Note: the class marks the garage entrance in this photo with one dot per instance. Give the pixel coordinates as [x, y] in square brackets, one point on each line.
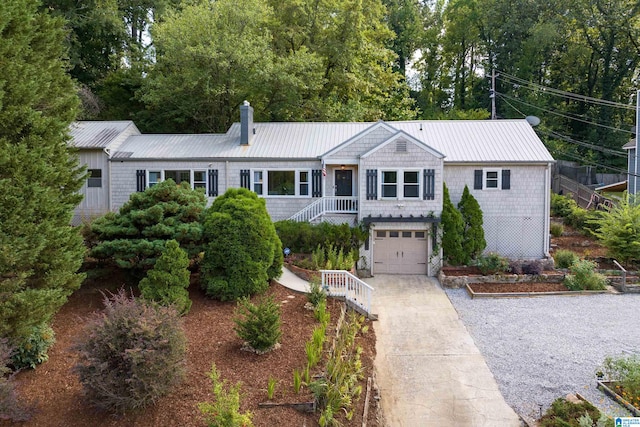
[400, 252]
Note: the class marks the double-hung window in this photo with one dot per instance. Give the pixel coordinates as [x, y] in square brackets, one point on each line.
[281, 182]
[491, 178]
[195, 178]
[400, 184]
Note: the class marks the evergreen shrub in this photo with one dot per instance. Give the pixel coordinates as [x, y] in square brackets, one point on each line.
[473, 241]
[132, 353]
[492, 263]
[453, 230]
[564, 258]
[168, 282]
[32, 350]
[258, 324]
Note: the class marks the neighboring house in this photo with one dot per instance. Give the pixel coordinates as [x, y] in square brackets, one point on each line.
[387, 176]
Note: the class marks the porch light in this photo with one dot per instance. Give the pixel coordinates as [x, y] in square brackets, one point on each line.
[342, 167]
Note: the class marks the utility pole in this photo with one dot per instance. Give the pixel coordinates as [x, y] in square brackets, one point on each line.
[492, 94]
[633, 174]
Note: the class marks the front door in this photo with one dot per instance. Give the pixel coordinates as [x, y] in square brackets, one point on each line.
[344, 182]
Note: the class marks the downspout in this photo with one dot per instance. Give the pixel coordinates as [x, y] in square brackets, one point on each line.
[226, 175]
[547, 209]
[109, 196]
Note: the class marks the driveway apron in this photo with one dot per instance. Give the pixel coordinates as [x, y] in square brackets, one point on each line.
[428, 369]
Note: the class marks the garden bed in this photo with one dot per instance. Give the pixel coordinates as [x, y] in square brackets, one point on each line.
[512, 290]
[57, 393]
[616, 392]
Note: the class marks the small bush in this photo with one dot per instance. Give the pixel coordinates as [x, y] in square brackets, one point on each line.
[556, 229]
[492, 263]
[532, 267]
[332, 257]
[564, 258]
[561, 206]
[32, 351]
[168, 281]
[515, 267]
[10, 407]
[132, 353]
[563, 413]
[584, 277]
[316, 294]
[303, 237]
[225, 410]
[258, 324]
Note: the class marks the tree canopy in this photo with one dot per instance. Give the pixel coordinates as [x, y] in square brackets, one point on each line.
[40, 253]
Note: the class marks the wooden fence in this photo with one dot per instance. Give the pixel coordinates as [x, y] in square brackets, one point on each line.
[584, 196]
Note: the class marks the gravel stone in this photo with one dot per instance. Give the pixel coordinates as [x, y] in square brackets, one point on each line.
[542, 348]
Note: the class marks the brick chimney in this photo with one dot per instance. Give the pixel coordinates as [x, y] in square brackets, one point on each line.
[246, 123]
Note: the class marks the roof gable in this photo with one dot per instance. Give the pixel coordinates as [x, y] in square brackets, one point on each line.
[403, 135]
[360, 136]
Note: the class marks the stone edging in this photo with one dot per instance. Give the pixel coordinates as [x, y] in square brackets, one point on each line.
[462, 281]
[474, 295]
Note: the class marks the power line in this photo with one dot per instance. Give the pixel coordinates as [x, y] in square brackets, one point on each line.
[584, 144]
[600, 165]
[557, 92]
[503, 96]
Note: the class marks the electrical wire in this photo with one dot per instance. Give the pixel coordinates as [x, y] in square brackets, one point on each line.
[503, 96]
[600, 165]
[584, 144]
[557, 92]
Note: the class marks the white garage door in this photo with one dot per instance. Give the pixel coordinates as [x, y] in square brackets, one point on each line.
[400, 252]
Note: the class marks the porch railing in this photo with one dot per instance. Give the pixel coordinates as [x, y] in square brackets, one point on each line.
[341, 283]
[324, 205]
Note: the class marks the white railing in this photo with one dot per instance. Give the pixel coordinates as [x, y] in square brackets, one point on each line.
[324, 205]
[341, 283]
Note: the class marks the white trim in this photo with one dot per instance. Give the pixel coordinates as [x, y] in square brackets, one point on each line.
[402, 134]
[399, 183]
[265, 182]
[498, 178]
[191, 176]
[359, 135]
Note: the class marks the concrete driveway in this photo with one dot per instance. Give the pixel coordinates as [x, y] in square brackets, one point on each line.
[428, 368]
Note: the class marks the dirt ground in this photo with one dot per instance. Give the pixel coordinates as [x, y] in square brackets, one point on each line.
[57, 393]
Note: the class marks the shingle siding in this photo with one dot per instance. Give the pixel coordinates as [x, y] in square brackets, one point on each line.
[514, 219]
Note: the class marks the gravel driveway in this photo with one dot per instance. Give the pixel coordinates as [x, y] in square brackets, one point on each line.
[542, 348]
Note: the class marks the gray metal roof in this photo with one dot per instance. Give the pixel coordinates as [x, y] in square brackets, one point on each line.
[629, 145]
[97, 134]
[460, 141]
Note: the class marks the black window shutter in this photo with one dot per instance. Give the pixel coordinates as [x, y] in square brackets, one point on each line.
[477, 179]
[506, 179]
[316, 183]
[244, 179]
[429, 191]
[372, 184]
[141, 179]
[213, 182]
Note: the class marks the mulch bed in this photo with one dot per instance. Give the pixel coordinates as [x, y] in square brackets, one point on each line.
[517, 287]
[57, 392]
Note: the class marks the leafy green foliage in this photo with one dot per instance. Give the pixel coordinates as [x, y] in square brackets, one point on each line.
[304, 237]
[619, 231]
[556, 229]
[563, 413]
[561, 206]
[258, 324]
[225, 410]
[331, 258]
[473, 242]
[564, 258]
[242, 250]
[40, 253]
[136, 235]
[584, 277]
[626, 371]
[11, 408]
[453, 231]
[32, 350]
[132, 353]
[492, 263]
[316, 294]
[168, 281]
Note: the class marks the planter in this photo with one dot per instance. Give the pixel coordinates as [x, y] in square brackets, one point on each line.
[303, 273]
[608, 387]
[521, 294]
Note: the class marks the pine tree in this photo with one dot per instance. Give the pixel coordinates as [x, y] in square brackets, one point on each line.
[40, 253]
[453, 229]
[168, 281]
[473, 242]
